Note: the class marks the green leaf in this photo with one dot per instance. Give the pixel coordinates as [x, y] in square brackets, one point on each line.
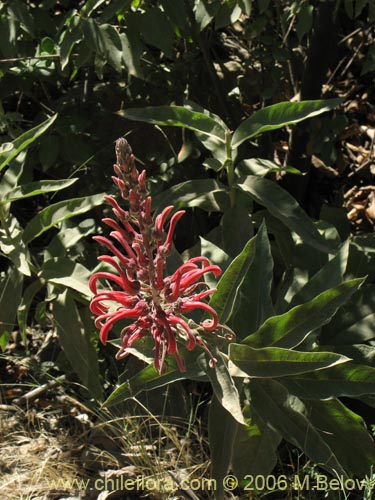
[255, 446]
[285, 208]
[105, 41]
[261, 168]
[58, 212]
[220, 424]
[236, 229]
[354, 323]
[223, 300]
[25, 304]
[155, 28]
[290, 329]
[328, 276]
[178, 116]
[207, 194]
[49, 151]
[223, 385]
[273, 404]
[90, 6]
[255, 304]
[305, 20]
[9, 151]
[345, 433]
[35, 188]
[69, 40]
[66, 272]
[205, 11]
[12, 245]
[148, 378]
[271, 362]
[348, 379]
[76, 344]
[279, 115]
[10, 298]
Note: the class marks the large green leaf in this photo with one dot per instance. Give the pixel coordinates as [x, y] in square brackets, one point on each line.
[25, 304]
[223, 300]
[220, 424]
[66, 272]
[279, 115]
[348, 379]
[105, 40]
[223, 385]
[291, 328]
[12, 245]
[271, 362]
[255, 304]
[178, 116]
[345, 433]
[56, 213]
[207, 194]
[255, 446]
[236, 229]
[330, 275]
[9, 151]
[285, 208]
[10, 298]
[35, 188]
[271, 401]
[354, 322]
[148, 378]
[75, 342]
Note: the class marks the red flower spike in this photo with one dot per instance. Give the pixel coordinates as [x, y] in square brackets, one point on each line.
[142, 293]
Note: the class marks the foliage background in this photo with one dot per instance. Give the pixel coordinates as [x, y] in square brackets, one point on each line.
[78, 67]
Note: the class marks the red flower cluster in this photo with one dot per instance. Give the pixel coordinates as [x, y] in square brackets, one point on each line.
[141, 293]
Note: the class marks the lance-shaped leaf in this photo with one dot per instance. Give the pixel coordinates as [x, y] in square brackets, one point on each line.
[223, 385]
[9, 151]
[148, 378]
[272, 402]
[178, 116]
[271, 362]
[223, 300]
[285, 208]
[206, 194]
[353, 323]
[345, 433]
[279, 115]
[290, 329]
[220, 424]
[330, 275]
[34, 189]
[255, 304]
[10, 298]
[66, 272]
[348, 379]
[255, 446]
[76, 343]
[56, 213]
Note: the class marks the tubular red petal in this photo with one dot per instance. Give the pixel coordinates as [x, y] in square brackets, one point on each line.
[128, 313]
[108, 244]
[176, 320]
[175, 218]
[108, 276]
[161, 219]
[192, 276]
[190, 306]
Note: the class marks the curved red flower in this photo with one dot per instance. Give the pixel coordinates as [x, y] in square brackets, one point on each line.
[138, 289]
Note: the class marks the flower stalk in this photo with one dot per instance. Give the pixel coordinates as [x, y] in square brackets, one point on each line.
[140, 291]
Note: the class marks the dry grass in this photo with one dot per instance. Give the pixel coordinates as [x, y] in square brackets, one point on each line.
[43, 448]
